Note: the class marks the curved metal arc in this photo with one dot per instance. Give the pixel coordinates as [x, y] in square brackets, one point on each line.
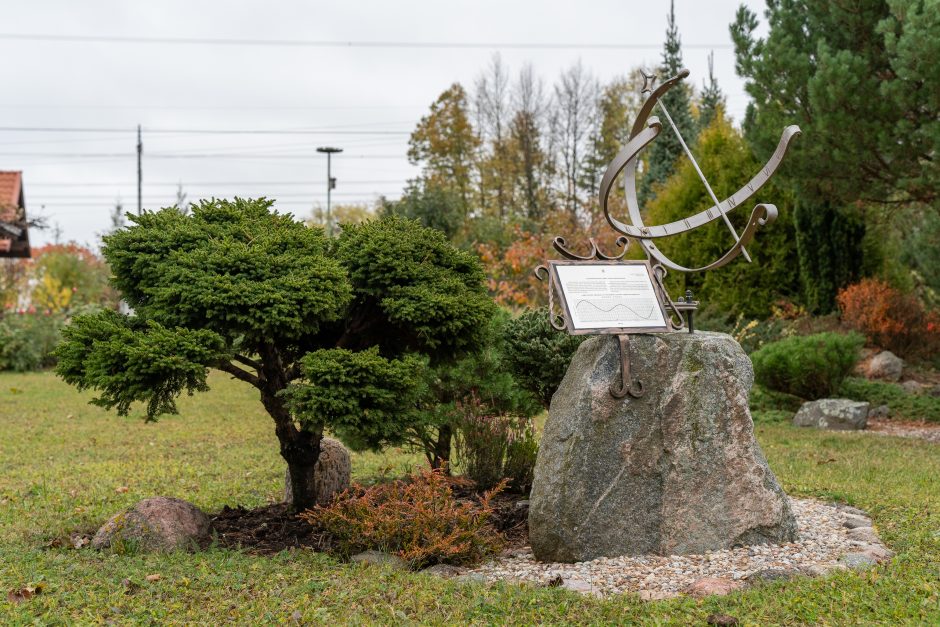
[626, 161]
[761, 215]
[654, 96]
[560, 244]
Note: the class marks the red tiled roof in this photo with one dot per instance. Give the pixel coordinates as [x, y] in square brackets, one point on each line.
[14, 229]
[10, 183]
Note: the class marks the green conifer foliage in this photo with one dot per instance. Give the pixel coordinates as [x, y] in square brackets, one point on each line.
[332, 334]
[666, 150]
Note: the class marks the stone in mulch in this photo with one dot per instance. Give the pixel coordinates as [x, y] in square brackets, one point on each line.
[915, 388]
[331, 473]
[881, 411]
[156, 524]
[823, 545]
[885, 365]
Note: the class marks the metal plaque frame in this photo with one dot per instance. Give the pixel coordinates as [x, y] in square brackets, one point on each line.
[569, 320]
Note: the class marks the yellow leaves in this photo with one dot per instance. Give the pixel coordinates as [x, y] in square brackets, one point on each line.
[51, 295]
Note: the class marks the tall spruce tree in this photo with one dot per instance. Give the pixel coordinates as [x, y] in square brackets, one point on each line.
[666, 149]
[712, 99]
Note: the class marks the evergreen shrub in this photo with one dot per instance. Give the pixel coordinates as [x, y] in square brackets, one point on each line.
[537, 354]
[418, 518]
[810, 367]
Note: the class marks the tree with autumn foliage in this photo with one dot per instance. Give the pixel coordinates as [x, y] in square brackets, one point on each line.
[333, 334]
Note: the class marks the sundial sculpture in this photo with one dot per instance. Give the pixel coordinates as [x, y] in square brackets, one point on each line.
[607, 294]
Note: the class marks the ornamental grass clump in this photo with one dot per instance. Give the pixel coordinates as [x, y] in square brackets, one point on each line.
[492, 447]
[418, 518]
[809, 366]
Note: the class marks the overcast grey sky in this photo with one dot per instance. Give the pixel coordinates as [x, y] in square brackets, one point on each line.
[365, 99]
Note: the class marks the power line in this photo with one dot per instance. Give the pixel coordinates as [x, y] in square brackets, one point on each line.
[223, 155]
[315, 43]
[199, 131]
[188, 184]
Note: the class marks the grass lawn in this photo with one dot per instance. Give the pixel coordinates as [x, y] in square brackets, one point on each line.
[64, 464]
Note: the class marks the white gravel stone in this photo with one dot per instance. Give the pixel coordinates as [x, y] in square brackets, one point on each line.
[823, 540]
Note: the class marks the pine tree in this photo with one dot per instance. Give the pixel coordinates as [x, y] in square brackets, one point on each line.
[860, 79]
[666, 149]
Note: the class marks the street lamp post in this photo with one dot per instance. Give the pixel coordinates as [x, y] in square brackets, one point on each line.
[330, 184]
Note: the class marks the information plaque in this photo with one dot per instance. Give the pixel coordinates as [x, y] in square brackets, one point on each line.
[609, 297]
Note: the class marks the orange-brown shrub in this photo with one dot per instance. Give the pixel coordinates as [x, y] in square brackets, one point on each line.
[417, 518]
[889, 318]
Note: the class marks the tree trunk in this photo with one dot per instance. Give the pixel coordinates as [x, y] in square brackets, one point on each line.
[300, 448]
[301, 456]
[441, 457]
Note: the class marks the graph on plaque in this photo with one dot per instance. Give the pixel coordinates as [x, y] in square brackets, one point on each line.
[602, 296]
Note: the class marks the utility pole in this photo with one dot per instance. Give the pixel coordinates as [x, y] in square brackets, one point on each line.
[330, 184]
[140, 172]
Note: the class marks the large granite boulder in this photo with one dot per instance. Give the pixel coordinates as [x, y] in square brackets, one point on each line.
[840, 414]
[159, 523]
[331, 473]
[676, 471]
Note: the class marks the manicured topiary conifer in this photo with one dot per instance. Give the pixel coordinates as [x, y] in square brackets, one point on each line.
[333, 334]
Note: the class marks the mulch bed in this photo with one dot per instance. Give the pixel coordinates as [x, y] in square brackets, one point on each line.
[265, 530]
[273, 528]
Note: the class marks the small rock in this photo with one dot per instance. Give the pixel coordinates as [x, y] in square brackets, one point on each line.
[913, 387]
[445, 571]
[863, 534]
[848, 509]
[878, 552]
[817, 570]
[378, 558]
[471, 578]
[576, 584]
[885, 365]
[156, 524]
[882, 411]
[853, 522]
[771, 574]
[833, 413]
[858, 561]
[708, 586]
[721, 619]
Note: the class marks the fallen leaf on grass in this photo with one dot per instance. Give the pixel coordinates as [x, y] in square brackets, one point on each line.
[78, 540]
[17, 596]
[826, 461]
[121, 489]
[153, 577]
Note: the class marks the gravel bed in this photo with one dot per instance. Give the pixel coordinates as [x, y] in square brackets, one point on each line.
[823, 539]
